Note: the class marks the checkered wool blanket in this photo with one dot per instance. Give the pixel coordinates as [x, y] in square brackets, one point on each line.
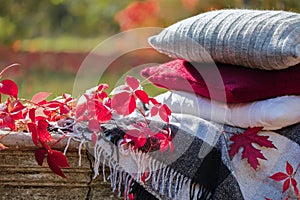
[200, 166]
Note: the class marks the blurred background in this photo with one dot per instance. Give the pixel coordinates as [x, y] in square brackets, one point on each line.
[51, 38]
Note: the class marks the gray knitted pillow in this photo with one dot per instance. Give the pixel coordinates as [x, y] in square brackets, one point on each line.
[253, 38]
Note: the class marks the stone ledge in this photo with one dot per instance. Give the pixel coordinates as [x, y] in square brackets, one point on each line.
[22, 178]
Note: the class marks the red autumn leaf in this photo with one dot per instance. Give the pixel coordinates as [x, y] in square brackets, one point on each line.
[165, 141]
[144, 176]
[39, 97]
[279, 176]
[15, 108]
[162, 109]
[102, 87]
[34, 133]
[132, 82]
[154, 110]
[287, 177]
[9, 87]
[289, 169]
[123, 103]
[245, 141]
[102, 112]
[94, 138]
[294, 184]
[64, 109]
[10, 112]
[154, 101]
[42, 124]
[53, 166]
[59, 158]
[32, 114]
[286, 185]
[131, 196]
[94, 108]
[80, 110]
[40, 156]
[94, 125]
[164, 113]
[138, 137]
[142, 95]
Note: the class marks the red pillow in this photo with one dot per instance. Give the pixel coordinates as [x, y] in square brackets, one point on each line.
[241, 84]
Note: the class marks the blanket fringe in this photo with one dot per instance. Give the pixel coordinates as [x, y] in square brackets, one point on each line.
[156, 177]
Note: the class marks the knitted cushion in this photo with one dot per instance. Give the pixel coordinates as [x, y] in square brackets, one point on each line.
[272, 114]
[254, 38]
[238, 84]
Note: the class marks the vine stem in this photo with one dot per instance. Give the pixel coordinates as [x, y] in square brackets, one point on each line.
[57, 141]
[2, 136]
[9, 66]
[297, 168]
[144, 116]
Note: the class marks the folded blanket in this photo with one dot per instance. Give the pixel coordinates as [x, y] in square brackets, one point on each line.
[200, 166]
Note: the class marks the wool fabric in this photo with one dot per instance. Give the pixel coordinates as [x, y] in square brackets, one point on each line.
[264, 39]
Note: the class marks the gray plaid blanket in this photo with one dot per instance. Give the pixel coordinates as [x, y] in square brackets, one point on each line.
[200, 166]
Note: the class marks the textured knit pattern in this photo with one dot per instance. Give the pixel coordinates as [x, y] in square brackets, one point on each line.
[253, 38]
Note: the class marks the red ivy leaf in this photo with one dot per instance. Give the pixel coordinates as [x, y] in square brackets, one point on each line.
[154, 110]
[94, 138]
[131, 196]
[102, 112]
[164, 146]
[94, 125]
[40, 156]
[164, 113]
[53, 166]
[123, 103]
[154, 101]
[80, 110]
[32, 114]
[294, 184]
[136, 136]
[245, 141]
[132, 82]
[144, 176]
[286, 185]
[9, 87]
[102, 87]
[279, 176]
[39, 97]
[289, 169]
[42, 124]
[34, 134]
[142, 95]
[43, 133]
[59, 158]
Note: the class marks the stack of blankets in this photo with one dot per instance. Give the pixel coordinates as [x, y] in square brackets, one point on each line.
[233, 71]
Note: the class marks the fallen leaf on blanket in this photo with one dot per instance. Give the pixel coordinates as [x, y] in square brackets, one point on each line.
[246, 141]
[288, 178]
